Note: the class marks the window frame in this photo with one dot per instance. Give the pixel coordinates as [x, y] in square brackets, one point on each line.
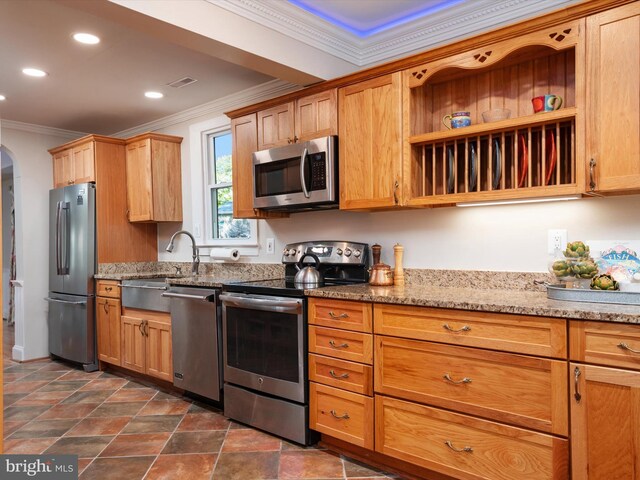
[206, 131]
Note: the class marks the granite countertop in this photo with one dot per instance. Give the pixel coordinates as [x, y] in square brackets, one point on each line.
[133, 275]
[504, 301]
[207, 280]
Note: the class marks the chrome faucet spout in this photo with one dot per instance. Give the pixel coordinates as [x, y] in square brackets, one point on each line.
[195, 263]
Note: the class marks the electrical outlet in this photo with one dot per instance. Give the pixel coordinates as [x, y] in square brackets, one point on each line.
[556, 240]
[271, 245]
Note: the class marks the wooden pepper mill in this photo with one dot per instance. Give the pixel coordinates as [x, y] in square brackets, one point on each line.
[398, 273]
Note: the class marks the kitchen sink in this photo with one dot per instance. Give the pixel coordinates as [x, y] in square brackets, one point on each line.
[145, 294]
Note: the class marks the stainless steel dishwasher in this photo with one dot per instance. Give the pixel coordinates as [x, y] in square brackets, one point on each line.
[196, 336]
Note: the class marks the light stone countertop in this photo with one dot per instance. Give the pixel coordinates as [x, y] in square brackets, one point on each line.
[504, 301]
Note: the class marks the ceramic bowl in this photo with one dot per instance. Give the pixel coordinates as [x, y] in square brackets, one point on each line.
[496, 115]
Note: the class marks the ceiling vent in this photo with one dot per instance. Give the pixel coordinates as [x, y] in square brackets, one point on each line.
[183, 82]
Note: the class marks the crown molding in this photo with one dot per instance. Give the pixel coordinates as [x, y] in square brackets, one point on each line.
[215, 108]
[445, 26]
[40, 129]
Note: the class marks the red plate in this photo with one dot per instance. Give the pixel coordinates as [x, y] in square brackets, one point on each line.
[552, 155]
[524, 162]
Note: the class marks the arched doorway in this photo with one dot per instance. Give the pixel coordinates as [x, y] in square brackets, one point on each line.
[9, 261]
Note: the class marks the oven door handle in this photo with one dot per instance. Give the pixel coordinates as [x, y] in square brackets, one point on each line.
[277, 305]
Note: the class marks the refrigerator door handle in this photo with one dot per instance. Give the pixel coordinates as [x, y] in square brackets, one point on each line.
[66, 225]
[58, 239]
[79, 302]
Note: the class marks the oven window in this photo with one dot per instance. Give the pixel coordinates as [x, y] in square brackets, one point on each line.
[277, 178]
[264, 343]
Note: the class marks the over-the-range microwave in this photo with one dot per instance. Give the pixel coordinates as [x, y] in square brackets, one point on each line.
[300, 176]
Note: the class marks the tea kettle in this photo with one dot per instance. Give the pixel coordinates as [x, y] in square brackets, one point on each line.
[308, 275]
[380, 273]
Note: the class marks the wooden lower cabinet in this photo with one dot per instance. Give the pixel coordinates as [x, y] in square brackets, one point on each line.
[108, 330]
[605, 423]
[146, 343]
[465, 447]
[341, 414]
[521, 390]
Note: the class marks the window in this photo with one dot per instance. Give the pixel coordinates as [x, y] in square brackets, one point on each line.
[222, 228]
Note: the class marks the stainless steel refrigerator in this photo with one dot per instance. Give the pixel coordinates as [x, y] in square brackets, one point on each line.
[72, 265]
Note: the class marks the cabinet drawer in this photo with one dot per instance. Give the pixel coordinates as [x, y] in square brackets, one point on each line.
[465, 447]
[526, 391]
[341, 414]
[341, 344]
[356, 316]
[108, 288]
[351, 376]
[497, 331]
[613, 344]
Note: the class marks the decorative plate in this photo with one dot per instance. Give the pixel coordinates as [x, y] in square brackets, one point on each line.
[524, 161]
[472, 168]
[552, 155]
[497, 164]
[450, 173]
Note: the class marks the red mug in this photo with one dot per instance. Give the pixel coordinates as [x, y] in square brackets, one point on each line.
[546, 103]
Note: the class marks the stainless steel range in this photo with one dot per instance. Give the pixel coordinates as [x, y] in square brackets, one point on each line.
[265, 338]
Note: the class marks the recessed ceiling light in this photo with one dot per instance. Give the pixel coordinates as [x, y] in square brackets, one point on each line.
[153, 94]
[86, 38]
[2, 97]
[34, 72]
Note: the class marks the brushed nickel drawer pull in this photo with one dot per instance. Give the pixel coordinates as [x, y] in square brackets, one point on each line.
[447, 377]
[465, 449]
[339, 377]
[466, 328]
[108, 289]
[335, 345]
[576, 374]
[340, 417]
[336, 317]
[624, 346]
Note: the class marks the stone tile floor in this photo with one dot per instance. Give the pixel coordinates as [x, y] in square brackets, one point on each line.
[124, 430]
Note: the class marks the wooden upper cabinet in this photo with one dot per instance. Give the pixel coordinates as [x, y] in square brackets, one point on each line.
[83, 161]
[613, 100]
[317, 115]
[154, 181]
[605, 425]
[74, 164]
[302, 119]
[370, 132]
[276, 126]
[244, 134]
[525, 155]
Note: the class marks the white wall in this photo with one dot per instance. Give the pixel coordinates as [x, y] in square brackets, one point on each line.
[33, 177]
[498, 238]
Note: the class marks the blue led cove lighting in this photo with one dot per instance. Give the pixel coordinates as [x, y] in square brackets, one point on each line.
[382, 27]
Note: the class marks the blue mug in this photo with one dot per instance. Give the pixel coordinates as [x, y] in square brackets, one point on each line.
[457, 120]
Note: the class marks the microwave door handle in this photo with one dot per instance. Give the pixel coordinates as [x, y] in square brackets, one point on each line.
[303, 158]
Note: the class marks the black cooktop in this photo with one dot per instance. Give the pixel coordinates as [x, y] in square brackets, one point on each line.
[278, 286]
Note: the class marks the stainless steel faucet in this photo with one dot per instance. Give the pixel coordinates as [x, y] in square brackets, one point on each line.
[196, 254]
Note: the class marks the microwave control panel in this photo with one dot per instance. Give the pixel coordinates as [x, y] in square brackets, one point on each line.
[318, 171]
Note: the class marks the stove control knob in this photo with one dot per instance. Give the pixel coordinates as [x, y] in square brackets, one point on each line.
[339, 251]
[357, 253]
[292, 251]
[347, 252]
